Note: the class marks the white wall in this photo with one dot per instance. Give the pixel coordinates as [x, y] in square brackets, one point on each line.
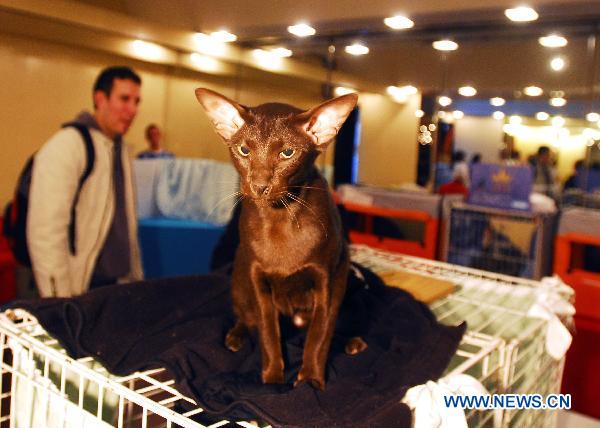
[479, 135]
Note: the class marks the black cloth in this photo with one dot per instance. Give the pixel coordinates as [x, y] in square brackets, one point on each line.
[180, 324]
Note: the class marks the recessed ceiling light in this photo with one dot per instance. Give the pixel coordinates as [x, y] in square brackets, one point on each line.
[445, 45]
[558, 101]
[592, 117]
[147, 50]
[533, 91]
[497, 101]
[357, 49]
[441, 114]
[457, 114]
[444, 101]
[223, 36]
[553, 41]
[542, 115]
[401, 94]
[498, 115]
[398, 22]
[281, 52]
[301, 30]
[342, 90]
[521, 14]
[515, 120]
[557, 63]
[467, 91]
[419, 113]
[558, 121]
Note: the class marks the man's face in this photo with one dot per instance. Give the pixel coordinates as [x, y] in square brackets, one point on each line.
[115, 112]
[154, 138]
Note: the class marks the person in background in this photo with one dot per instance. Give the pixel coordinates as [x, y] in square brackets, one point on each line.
[571, 182]
[460, 168]
[106, 245]
[154, 139]
[475, 159]
[544, 174]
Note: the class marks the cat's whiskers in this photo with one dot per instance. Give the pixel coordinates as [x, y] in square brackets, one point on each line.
[233, 195]
[305, 204]
[290, 212]
[308, 187]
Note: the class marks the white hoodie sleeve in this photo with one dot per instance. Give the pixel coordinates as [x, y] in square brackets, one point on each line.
[57, 167]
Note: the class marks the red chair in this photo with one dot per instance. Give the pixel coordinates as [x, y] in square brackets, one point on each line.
[8, 283]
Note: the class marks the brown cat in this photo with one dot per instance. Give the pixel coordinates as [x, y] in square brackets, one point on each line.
[292, 259]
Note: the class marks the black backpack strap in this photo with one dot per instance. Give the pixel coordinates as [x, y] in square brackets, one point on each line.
[91, 157]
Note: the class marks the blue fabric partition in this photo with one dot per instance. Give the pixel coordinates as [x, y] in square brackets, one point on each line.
[177, 247]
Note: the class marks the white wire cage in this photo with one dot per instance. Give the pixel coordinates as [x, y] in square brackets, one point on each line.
[494, 306]
[508, 242]
[43, 387]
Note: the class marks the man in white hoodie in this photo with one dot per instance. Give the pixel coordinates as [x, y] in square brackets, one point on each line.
[105, 249]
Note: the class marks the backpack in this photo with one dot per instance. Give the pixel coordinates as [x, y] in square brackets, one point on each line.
[15, 213]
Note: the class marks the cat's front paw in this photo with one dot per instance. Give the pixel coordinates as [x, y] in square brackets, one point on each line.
[316, 380]
[272, 376]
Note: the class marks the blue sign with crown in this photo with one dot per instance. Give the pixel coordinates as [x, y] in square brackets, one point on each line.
[499, 186]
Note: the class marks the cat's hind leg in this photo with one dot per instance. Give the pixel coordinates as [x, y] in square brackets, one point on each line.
[235, 337]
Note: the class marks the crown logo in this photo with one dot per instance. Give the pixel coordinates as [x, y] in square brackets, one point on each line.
[502, 178]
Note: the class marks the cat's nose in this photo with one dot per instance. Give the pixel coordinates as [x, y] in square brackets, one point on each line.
[261, 189]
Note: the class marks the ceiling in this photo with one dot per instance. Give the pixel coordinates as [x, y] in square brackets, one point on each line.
[496, 56]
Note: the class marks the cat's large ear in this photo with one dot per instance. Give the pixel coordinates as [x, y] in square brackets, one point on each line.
[226, 115]
[323, 122]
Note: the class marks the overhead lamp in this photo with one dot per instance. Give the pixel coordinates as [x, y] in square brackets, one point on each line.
[445, 45]
[148, 50]
[419, 113]
[281, 52]
[553, 41]
[592, 117]
[457, 114]
[357, 49]
[515, 120]
[497, 101]
[467, 91]
[342, 90]
[444, 101]
[401, 94]
[542, 115]
[498, 115]
[302, 30]
[442, 114]
[533, 91]
[205, 62]
[558, 121]
[208, 44]
[558, 101]
[267, 59]
[223, 36]
[557, 63]
[521, 14]
[398, 22]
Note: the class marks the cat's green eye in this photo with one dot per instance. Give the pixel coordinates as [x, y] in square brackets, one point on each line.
[243, 150]
[287, 153]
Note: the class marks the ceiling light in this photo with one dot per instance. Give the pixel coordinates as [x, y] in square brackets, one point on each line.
[542, 115]
[441, 114]
[401, 92]
[557, 63]
[458, 114]
[357, 49]
[558, 102]
[342, 90]
[521, 14]
[208, 45]
[301, 30]
[467, 91]
[445, 45]
[398, 22]
[147, 50]
[553, 41]
[444, 101]
[558, 121]
[497, 101]
[267, 59]
[592, 117]
[205, 62]
[223, 36]
[498, 115]
[515, 120]
[533, 91]
[419, 113]
[281, 52]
